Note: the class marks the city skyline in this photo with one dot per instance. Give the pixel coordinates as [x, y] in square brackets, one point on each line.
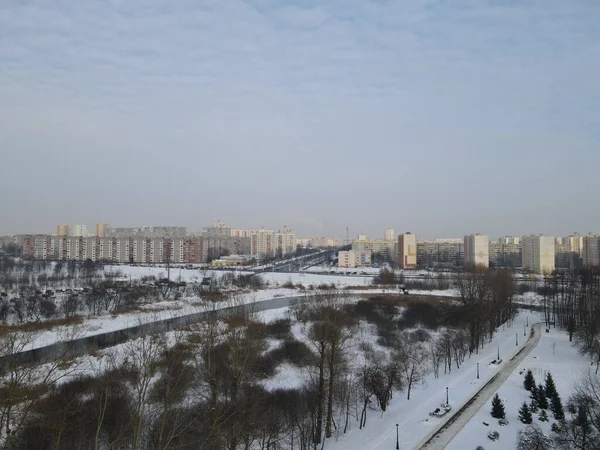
[478, 116]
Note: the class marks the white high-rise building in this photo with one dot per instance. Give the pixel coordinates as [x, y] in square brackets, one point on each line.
[538, 253]
[389, 235]
[477, 250]
[80, 230]
[353, 258]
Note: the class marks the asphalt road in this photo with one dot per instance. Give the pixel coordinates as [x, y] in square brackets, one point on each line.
[445, 432]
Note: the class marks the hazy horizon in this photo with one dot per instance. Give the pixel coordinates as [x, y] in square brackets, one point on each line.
[439, 118]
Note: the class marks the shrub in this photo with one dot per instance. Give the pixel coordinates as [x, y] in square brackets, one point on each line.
[279, 329]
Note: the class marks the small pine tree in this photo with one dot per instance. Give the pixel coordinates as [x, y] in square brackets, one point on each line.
[529, 381]
[557, 407]
[550, 388]
[525, 414]
[498, 408]
[533, 406]
[543, 416]
[541, 397]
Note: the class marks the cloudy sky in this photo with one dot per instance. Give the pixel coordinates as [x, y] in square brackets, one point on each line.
[442, 117]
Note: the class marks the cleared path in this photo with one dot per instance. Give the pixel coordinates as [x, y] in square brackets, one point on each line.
[445, 432]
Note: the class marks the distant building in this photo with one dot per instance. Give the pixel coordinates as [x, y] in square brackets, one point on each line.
[538, 253]
[389, 235]
[441, 253]
[362, 237]
[477, 250]
[591, 250]
[375, 246]
[568, 251]
[101, 229]
[495, 253]
[147, 232]
[80, 230]
[407, 250]
[353, 258]
[324, 242]
[63, 230]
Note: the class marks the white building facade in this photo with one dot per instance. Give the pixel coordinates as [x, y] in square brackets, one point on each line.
[477, 250]
[538, 253]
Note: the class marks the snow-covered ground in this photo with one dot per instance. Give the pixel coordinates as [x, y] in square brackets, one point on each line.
[150, 313]
[412, 416]
[554, 354]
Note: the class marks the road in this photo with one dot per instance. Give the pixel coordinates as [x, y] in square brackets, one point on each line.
[445, 432]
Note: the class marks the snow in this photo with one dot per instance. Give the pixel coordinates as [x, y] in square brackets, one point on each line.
[412, 416]
[553, 354]
[288, 376]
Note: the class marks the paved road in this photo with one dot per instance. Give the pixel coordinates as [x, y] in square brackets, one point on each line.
[445, 432]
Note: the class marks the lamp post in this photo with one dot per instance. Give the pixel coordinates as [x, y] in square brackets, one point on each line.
[447, 395]
[478, 371]
[517, 339]
[498, 352]
[524, 330]
[397, 441]
[527, 320]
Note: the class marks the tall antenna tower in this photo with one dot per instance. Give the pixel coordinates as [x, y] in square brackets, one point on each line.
[347, 236]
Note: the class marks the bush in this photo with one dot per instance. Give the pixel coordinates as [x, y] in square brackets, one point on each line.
[47, 308]
[293, 352]
[279, 329]
[420, 335]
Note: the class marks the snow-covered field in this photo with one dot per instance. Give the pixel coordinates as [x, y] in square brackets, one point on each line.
[554, 354]
[412, 416]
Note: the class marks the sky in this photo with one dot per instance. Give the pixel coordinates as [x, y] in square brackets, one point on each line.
[439, 117]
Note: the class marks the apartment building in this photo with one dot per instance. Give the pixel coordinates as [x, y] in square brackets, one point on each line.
[477, 250]
[322, 242]
[389, 235]
[147, 231]
[375, 246]
[80, 230]
[63, 229]
[407, 250]
[353, 258]
[591, 250]
[568, 251]
[101, 229]
[538, 253]
[441, 253]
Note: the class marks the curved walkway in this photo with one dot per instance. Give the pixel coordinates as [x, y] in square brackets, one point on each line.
[445, 432]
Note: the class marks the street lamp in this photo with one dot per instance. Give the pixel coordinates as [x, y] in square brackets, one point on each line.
[478, 371]
[447, 395]
[397, 441]
[498, 352]
[517, 339]
[524, 330]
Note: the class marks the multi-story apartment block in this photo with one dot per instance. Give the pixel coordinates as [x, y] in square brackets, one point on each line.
[407, 250]
[285, 241]
[495, 252]
[389, 235]
[322, 242]
[591, 250]
[147, 231]
[538, 253]
[441, 252]
[568, 251]
[262, 244]
[80, 230]
[353, 258]
[101, 229]
[477, 250]
[63, 230]
[511, 255]
[375, 246]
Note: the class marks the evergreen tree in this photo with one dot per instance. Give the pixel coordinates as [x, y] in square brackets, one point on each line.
[498, 408]
[529, 381]
[533, 406]
[541, 397]
[543, 416]
[525, 414]
[550, 388]
[557, 407]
